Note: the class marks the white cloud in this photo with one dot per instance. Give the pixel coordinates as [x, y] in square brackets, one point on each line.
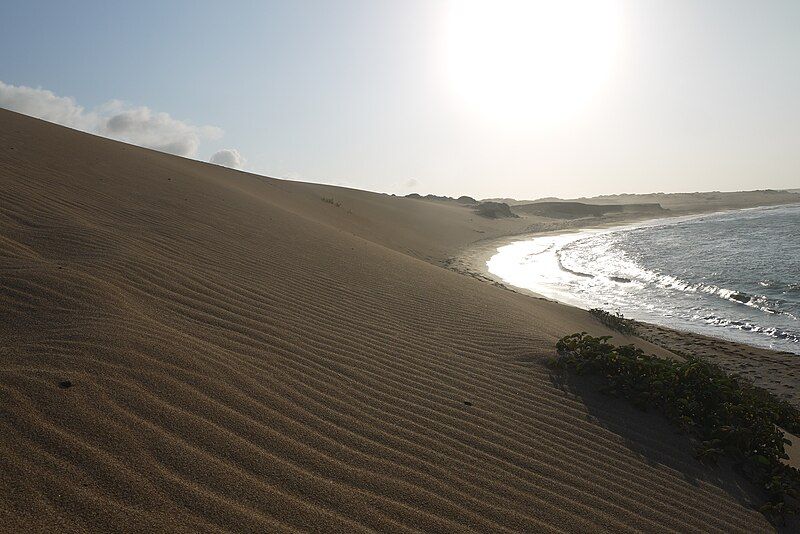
[141, 126]
[229, 157]
[137, 125]
[412, 182]
[44, 105]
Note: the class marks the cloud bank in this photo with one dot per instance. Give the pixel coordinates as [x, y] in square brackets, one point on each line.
[229, 157]
[115, 119]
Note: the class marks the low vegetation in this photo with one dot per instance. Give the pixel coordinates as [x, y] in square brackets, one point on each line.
[725, 415]
[615, 321]
[495, 210]
[331, 200]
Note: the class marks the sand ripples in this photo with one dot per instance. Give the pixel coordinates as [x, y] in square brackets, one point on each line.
[237, 365]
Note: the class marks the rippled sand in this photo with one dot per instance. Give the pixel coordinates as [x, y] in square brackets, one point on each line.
[190, 348]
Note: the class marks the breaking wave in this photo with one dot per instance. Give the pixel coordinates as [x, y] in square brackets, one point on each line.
[719, 275]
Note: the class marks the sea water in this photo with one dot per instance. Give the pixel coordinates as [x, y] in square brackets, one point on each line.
[734, 275]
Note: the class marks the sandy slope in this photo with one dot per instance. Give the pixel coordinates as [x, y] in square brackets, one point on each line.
[244, 356]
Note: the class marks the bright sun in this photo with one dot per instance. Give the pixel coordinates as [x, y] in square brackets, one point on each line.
[530, 61]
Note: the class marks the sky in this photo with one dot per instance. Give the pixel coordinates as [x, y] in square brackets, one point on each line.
[504, 98]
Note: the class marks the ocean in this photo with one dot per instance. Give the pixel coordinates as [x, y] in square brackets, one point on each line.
[733, 275]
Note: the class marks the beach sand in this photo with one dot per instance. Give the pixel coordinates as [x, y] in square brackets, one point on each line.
[775, 371]
[187, 347]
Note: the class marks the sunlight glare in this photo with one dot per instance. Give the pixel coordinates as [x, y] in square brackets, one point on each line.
[529, 61]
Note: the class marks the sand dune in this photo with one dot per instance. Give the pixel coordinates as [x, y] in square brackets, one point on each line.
[243, 356]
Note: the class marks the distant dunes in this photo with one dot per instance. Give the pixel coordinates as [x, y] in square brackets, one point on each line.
[244, 357]
[549, 209]
[682, 203]
[578, 210]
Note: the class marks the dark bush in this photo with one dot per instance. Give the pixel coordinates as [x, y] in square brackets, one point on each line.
[726, 415]
[494, 210]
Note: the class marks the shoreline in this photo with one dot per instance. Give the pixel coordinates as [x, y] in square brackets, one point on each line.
[471, 260]
[774, 370]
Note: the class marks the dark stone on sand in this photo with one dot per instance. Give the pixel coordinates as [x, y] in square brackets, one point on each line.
[64, 384]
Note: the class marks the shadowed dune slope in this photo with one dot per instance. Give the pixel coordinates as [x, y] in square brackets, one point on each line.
[243, 356]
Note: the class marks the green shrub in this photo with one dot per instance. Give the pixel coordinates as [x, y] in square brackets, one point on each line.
[726, 415]
[331, 200]
[615, 321]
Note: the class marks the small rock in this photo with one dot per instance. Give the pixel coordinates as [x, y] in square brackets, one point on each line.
[64, 384]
